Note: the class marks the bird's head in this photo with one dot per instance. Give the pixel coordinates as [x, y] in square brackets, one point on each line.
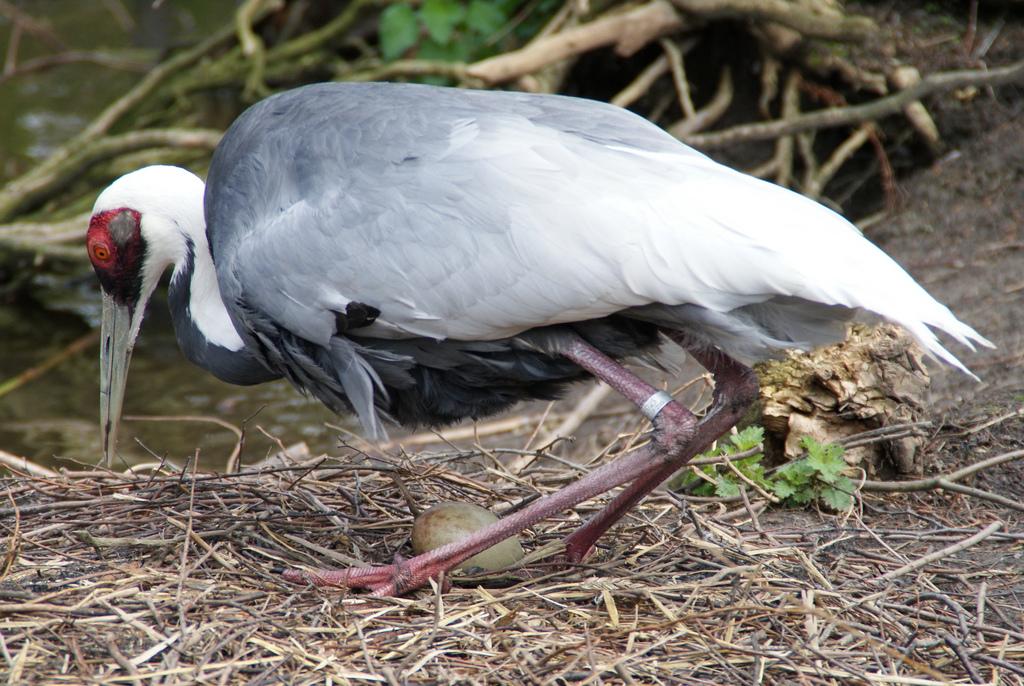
[140, 225]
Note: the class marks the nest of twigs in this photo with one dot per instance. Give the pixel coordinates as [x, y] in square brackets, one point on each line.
[174, 578]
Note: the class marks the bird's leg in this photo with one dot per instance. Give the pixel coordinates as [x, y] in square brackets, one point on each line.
[674, 427]
[674, 424]
[735, 390]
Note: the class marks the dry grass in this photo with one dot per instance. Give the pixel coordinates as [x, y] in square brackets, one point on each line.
[172, 578]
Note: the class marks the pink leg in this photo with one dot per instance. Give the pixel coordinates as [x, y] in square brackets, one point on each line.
[735, 390]
[674, 427]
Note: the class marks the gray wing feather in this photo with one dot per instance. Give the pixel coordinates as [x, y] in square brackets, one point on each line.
[336, 192]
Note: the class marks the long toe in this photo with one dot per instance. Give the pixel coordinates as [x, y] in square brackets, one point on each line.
[357, 577]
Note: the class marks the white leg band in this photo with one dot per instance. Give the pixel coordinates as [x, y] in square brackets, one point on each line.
[655, 404]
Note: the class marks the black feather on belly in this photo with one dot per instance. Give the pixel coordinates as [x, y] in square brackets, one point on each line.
[455, 380]
[421, 381]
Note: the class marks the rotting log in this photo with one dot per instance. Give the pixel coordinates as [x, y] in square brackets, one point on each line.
[875, 379]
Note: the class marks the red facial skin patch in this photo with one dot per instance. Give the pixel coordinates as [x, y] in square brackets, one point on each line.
[116, 247]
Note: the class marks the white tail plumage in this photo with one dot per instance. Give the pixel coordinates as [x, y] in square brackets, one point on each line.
[736, 241]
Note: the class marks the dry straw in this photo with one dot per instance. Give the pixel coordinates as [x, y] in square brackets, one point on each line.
[172, 578]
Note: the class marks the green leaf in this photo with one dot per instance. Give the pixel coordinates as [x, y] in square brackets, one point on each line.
[783, 489]
[755, 472]
[441, 17]
[809, 444]
[726, 488]
[705, 490]
[485, 17]
[827, 461]
[802, 496]
[398, 30]
[749, 438]
[797, 473]
[844, 484]
[835, 498]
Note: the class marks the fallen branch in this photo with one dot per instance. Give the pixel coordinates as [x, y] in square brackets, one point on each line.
[457, 71]
[948, 481]
[252, 45]
[627, 31]
[679, 80]
[16, 463]
[711, 112]
[930, 483]
[48, 238]
[22, 20]
[122, 62]
[815, 185]
[905, 76]
[87, 538]
[642, 83]
[12, 197]
[51, 176]
[781, 163]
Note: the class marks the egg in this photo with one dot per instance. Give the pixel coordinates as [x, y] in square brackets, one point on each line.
[450, 522]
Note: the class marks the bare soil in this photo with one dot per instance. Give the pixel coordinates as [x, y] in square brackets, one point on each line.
[961, 233]
[959, 225]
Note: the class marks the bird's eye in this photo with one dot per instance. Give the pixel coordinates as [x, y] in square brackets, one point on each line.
[99, 252]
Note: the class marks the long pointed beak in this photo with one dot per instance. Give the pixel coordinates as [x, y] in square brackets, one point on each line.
[117, 338]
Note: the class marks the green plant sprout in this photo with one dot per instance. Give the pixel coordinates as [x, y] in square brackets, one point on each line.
[817, 477]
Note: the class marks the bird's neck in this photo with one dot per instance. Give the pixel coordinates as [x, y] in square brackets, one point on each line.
[195, 277]
[202, 325]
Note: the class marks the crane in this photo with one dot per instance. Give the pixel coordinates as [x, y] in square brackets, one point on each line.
[420, 255]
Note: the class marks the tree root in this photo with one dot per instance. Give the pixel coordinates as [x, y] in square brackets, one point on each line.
[628, 31]
[812, 19]
[855, 114]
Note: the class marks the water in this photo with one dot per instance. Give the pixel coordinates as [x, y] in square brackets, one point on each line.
[54, 419]
[42, 109]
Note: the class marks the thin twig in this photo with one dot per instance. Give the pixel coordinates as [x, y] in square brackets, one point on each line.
[939, 554]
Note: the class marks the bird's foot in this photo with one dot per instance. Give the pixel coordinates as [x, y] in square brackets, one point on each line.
[382, 580]
[358, 577]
